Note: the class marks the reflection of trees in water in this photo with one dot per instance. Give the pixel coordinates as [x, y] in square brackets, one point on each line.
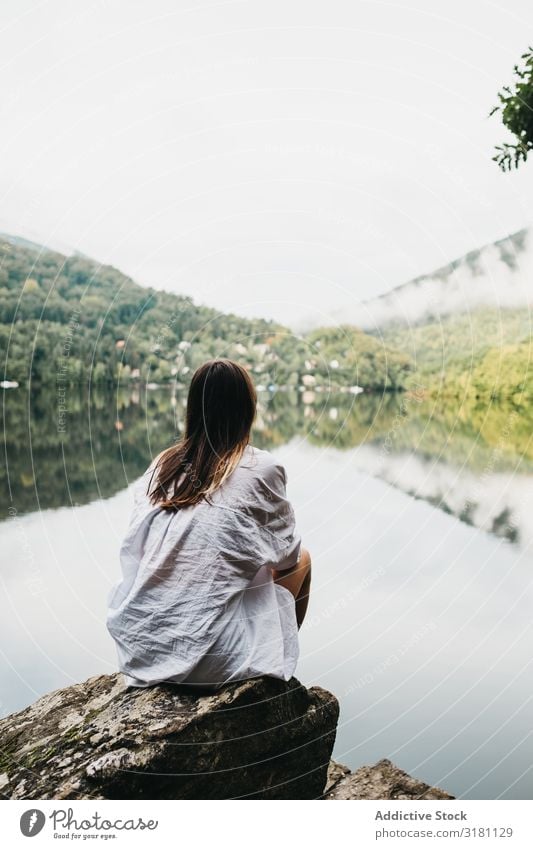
[483, 438]
[347, 421]
[109, 442]
[105, 445]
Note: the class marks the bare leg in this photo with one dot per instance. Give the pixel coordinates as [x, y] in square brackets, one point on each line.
[302, 599]
[298, 581]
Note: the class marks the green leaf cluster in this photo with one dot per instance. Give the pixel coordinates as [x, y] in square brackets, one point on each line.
[516, 108]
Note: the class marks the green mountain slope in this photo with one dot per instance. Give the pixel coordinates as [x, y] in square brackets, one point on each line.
[68, 320]
[486, 353]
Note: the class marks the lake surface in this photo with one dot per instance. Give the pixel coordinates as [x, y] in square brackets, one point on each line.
[419, 518]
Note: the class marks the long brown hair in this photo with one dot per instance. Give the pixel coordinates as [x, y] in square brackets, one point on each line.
[221, 407]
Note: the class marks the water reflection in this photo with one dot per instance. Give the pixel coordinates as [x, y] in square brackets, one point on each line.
[418, 622]
[475, 463]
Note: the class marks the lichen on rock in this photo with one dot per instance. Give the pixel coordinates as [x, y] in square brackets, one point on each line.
[260, 738]
[383, 780]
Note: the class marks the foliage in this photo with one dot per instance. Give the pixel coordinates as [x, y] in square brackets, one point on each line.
[483, 354]
[504, 372]
[70, 320]
[350, 357]
[516, 107]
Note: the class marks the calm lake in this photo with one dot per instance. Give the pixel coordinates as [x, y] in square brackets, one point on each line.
[419, 518]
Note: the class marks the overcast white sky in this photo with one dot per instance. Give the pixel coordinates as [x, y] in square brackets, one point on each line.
[274, 158]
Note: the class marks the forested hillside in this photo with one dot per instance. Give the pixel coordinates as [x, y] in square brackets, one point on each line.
[69, 319]
[487, 353]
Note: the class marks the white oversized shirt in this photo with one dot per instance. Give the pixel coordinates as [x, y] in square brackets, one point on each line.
[197, 602]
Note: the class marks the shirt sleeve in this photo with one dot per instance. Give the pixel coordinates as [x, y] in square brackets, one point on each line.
[278, 539]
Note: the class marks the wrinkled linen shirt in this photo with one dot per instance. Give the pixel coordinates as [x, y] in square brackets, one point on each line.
[197, 602]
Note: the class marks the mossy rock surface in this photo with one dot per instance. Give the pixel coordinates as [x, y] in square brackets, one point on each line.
[260, 738]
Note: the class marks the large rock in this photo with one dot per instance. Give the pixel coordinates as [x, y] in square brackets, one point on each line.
[381, 781]
[262, 738]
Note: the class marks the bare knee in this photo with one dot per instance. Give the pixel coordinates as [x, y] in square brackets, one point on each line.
[298, 577]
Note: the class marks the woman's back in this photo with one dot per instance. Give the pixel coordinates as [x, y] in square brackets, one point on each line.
[197, 602]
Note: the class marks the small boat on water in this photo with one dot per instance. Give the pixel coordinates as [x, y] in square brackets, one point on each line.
[8, 384]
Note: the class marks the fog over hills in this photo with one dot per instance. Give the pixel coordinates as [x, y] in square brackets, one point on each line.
[498, 275]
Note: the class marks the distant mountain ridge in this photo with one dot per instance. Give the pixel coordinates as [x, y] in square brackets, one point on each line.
[498, 275]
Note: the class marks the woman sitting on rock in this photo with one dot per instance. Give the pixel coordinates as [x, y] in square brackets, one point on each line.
[215, 583]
